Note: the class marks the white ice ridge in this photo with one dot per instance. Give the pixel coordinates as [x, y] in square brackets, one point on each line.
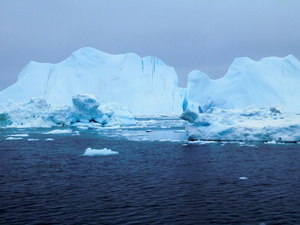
[99, 152]
[250, 124]
[270, 82]
[145, 86]
[59, 131]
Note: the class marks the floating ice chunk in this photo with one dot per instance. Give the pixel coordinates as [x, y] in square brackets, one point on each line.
[49, 139]
[14, 138]
[271, 142]
[76, 133]
[244, 144]
[32, 139]
[99, 152]
[18, 135]
[59, 132]
[243, 178]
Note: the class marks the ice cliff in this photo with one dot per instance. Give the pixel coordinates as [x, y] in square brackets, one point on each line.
[145, 86]
[270, 82]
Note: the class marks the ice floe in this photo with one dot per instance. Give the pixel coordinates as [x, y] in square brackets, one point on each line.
[99, 152]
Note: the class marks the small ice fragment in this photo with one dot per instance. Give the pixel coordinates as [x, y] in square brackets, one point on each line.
[32, 139]
[14, 138]
[243, 178]
[149, 130]
[270, 142]
[99, 152]
[76, 133]
[49, 139]
[18, 135]
[59, 132]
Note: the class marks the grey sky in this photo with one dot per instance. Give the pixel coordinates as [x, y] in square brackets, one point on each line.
[186, 34]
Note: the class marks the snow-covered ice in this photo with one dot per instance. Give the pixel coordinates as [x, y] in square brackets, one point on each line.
[99, 152]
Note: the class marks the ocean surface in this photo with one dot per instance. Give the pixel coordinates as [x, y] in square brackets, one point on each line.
[157, 178]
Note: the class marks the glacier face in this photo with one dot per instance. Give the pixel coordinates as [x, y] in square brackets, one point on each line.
[270, 82]
[146, 86]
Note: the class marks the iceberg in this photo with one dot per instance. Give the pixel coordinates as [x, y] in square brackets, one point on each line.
[270, 82]
[254, 101]
[142, 86]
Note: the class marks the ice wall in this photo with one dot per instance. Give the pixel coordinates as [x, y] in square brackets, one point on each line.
[270, 82]
[146, 86]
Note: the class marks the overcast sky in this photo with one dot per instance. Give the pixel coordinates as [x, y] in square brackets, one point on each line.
[186, 34]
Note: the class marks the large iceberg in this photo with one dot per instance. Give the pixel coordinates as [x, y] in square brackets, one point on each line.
[270, 82]
[254, 101]
[145, 86]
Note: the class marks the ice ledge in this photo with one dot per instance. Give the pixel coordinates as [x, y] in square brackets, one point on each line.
[248, 124]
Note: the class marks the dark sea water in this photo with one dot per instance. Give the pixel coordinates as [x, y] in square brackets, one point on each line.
[148, 182]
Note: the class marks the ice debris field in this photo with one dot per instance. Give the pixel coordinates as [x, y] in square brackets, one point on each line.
[254, 101]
